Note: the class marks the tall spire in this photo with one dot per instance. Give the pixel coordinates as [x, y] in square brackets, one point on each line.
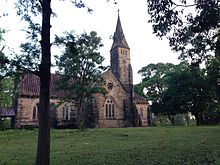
[119, 38]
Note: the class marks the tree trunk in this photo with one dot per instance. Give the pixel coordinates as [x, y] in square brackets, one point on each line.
[172, 119]
[15, 100]
[81, 119]
[81, 116]
[161, 123]
[199, 119]
[43, 148]
[187, 118]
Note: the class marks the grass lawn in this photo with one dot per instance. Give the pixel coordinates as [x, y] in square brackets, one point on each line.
[133, 146]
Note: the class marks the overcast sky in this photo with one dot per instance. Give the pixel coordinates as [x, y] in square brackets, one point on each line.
[145, 47]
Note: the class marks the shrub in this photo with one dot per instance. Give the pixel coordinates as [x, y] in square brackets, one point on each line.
[5, 123]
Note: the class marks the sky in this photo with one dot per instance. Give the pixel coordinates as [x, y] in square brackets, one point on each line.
[145, 47]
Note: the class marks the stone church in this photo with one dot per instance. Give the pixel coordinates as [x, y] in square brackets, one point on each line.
[120, 107]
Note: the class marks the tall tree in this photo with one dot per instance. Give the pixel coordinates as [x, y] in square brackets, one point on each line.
[81, 68]
[5, 81]
[4, 61]
[153, 81]
[183, 89]
[192, 28]
[27, 9]
[213, 78]
[188, 91]
[153, 84]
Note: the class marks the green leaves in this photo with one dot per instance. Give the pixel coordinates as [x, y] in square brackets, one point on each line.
[81, 67]
[163, 16]
[192, 28]
[3, 65]
[81, 4]
[175, 89]
[154, 76]
[4, 61]
[80, 64]
[6, 90]
[26, 8]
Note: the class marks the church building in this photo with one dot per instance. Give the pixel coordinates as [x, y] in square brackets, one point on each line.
[120, 107]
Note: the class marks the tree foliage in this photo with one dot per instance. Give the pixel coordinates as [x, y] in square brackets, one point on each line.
[81, 67]
[192, 27]
[181, 90]
[154, 80]
[81, 62]
[6, 83]
[37, 60]
[6, 90]
[189, 91]
[30, 57]
[4, 61]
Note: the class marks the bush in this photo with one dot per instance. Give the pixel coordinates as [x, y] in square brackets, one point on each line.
[5, 123]
[179, 120]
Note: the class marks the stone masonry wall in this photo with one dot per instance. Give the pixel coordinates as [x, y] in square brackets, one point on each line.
[117, 94]
[25, 114]
[142, 116]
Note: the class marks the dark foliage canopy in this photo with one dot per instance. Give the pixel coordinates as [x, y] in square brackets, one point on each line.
[80, 64]
[192, 27]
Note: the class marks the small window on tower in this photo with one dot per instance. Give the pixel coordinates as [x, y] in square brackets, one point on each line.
[110, 86]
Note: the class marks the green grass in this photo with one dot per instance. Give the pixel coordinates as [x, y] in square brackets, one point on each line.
[133, 146]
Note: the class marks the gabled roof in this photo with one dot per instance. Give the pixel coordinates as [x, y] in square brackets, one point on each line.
[30, 85]
[106, 74]
[115, 78]
[139, 99]
[119, 37]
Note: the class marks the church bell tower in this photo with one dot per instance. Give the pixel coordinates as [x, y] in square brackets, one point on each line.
[121, 68]
[120, 57]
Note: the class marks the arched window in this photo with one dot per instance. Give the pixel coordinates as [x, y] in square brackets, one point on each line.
[141, 112]
[35, 112]
[109, 108]
[110, 86]
[66, 113]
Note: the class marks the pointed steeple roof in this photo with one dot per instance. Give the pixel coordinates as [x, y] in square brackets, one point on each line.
[119, 38]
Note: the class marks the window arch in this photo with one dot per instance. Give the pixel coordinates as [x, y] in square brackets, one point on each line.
[109, 108]
[110, 86]
[35, 112]
[141, 112]
[66, 110]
